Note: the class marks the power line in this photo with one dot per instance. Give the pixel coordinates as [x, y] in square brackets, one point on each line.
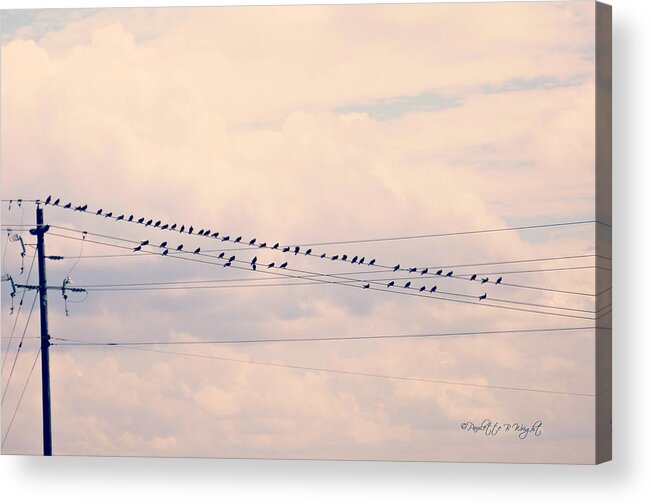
[360, 373]
[20, 399]
[311, 276]
[70, 342]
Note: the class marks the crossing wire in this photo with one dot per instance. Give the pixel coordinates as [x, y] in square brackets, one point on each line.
[20, 399]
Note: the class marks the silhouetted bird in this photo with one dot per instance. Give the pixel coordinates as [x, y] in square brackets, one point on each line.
[56, 202]
[407, 285]
[99, 212]
[78, 208]
[173, 227]
[322, 256]
[433, 289]
[48, 199]
[483, 296]
[190, 230]
[424, 272]
[334, 257]
[206, 232]
[366, 286]
[262, 245]
[371, 262]
[130, 218]
[163, 245]
[421, 289]
[271, 265]
[449, 273]
[283, 265]
[108, 214]
[361, 261]
[252, 242]
[498, 281]
[148, 223]
[254, 260]
[157, 223]
[215, 234]
[226, 238]
[439, 272]
[200, 232]
[396, 267]
[354, 260]
[69, 205]
[276, 245]
[119, 217]
[484, 280]
[253, 266]
[180, 247]
[308, 252]
[146, 242]
[182, 228]
[391, 284]
[164, 226]
[165, 252]
[286, 249]
[473, 277]
[141, 220]
[297, 249]
[136, 249]
[221, 255]
[227, 264]
[237, 240]
[197, 250]
[231, 258]
[344, 257]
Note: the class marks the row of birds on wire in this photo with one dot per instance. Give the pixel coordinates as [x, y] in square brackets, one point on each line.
[295, 249]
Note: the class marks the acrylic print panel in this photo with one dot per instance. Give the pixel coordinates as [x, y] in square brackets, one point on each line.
[322, 232]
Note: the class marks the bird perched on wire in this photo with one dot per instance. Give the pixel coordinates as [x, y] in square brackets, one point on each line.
[407, 285]
[148, 223]
[182, 228]
[424, 272]
[254, 260]
[119, 217]
[396, 267]
[69, 205]
[237, 240]
[484, 280]
[391, 284]
[252, 241]
[144, 243]
[190, 230]
[200, 232]
[296, 250]
[173, 227]
[473, 277]
[449, 273]
[322, 256]
[366, 286]
[180, 247]
[361, 261]
[271, 265]
[197, 250]
[285, 249]
[439, 272]
[371, 262]
[163, 244]
[48, 199]
[138, 248]
[141, 220]
[164, 226]
[108, 214]
[276, 245]
[226, 238]
[215, 234]
[231, 258]
[334, 257]
[165, 252]
[433, 289]
[99, 212]
[483, 296]
[221, 255]
[422, 289]
[283, 265]
[353, 260]
[412, 270]
[498, 281]
[308, 252]
[56, 202]
[157, 224]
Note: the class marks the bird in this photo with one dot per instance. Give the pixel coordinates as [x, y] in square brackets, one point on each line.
[206, 232]
[56, 202]
[366, 286]
[276, 245]
[286, 249]
[421, 289]
[424, 272]
[190, 230]
[371, 262]
[84, 208]
[197, 250]
[254, 260]
[180, 247]
[433, 289]
[484, 280]
[173, 227]
[308, 252]
[334, 257]
[165, 252]
[237, 240]
[297, 249]
[164, 226]
[215, 234]
[69, 205]
[157, 223]
[439, 272]
[227, 264]
[262, 245]
[252, 241]
[99, 212]
[271, 265]
[48, 199]
[473, 277]
[108, 214]
[148, 223]
[361, 261]
[231, 258]
[136, 249]
[391, 284]
[283, 265]
[78, 208]
[498, 281]
[344, 257]
[322, 255]
[253, 266]
[163, 245]
[407, 285]
[146, 242]
[182, 228]
[483, 296]
[141, 220]
[221, 255]
[119, 217]
[396, 267]
[200, 232]
[449, 273]
[226, 238]
[354, 260]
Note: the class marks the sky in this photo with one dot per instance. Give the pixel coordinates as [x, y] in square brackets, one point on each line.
[305, 125]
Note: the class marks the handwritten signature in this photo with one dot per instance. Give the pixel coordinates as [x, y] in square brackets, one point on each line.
[489, 427]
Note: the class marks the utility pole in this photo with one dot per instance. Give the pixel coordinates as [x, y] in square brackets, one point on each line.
[45, 336]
